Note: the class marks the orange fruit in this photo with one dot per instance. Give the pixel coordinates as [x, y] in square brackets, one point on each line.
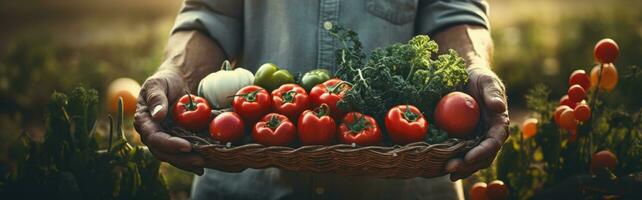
[558, 112]
[567, 119]
[529, 128]
[609, 77]
[126, 88]
[603, 159]
[497, 190]
[479, 191]
[582, 112]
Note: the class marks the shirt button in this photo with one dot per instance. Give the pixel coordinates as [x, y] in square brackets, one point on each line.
[319, 190]
[327, 25]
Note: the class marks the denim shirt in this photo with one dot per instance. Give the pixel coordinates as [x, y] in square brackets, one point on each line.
[294, 35]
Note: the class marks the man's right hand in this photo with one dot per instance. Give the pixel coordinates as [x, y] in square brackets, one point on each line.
[157, 93]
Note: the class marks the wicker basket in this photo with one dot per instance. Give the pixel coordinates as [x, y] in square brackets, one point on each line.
[418, 159]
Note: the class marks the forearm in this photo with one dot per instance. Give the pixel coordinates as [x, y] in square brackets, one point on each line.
[471, 42]
[193, 55]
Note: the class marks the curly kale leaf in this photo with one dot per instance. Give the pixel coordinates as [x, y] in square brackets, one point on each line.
[397, 74]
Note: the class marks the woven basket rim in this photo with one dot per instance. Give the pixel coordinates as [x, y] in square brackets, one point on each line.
[451, 144]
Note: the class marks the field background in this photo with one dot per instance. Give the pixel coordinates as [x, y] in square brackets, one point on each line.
[48, 45]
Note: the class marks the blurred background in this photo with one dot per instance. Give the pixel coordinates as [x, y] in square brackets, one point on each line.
[53, 45]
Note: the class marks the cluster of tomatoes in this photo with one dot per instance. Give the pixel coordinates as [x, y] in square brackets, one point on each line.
[495, 190]
[573, 108]
[288, 114]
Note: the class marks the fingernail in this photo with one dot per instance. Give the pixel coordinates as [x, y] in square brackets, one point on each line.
[157, 109]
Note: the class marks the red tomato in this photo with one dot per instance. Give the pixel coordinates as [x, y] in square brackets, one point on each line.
[274, 130]
[607, 75]
[558, 112]
[192, 112]
[581, 78]
[529, 127]
[227, 127]
[359, 129]
[606, 51]
[316, 127]
[567, 102]
[290, 100]
[457, 113]
[497, 190]
[567, 119]
[330, 92]
[405, 124]
[603, 159]
[479, 191]
[576, 93]
[582, 112]
[252, 102]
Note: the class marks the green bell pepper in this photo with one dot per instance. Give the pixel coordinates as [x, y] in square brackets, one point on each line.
[314, 77]
[270, 77]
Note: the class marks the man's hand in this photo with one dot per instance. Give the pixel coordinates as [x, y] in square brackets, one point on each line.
[489, 92]
[154, 100]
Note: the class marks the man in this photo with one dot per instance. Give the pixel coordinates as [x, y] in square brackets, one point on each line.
[294, 35]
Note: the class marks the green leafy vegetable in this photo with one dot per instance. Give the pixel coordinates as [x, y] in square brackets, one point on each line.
[399, 74]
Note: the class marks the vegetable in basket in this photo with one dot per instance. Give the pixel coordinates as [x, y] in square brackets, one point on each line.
[316, 127]
[252, 102]
[192, 112]
[359, 129]
[218, 86]
[314, 77]
[274, 130]
[270, 76]
[405, 124]
[227, 127]
[330, 93]
[290, 100]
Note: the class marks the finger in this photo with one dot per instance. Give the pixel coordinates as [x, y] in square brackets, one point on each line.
[488, 147]
[153, 136]
[493, 92]
[468, 169]
[454, 165]
[154, 95]
[185, 161]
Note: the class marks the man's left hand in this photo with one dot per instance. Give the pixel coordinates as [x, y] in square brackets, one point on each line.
[489, 91]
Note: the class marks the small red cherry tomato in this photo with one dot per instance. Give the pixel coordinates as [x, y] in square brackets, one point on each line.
[290, 100]
[497, 190]
[567, 102]
[581, 78]
[603, 159]
[192, 112]
[606, 51]
[252, 102]
[582, 112]
[274, 130]
[227, 127]
[405, 124]
[359, 129]
[576, 93]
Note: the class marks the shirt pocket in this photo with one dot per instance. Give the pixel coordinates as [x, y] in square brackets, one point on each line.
[395, 11]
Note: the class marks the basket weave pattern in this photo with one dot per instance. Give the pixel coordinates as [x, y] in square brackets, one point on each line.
[413, 160]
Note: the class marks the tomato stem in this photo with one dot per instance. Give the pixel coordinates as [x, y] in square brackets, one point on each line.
[191, 105]
[288, 97]
[409, 115]
[336, 89]
[274, 122]
[359, 124]
[226, 66]
[249, 97]
[322, 110]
